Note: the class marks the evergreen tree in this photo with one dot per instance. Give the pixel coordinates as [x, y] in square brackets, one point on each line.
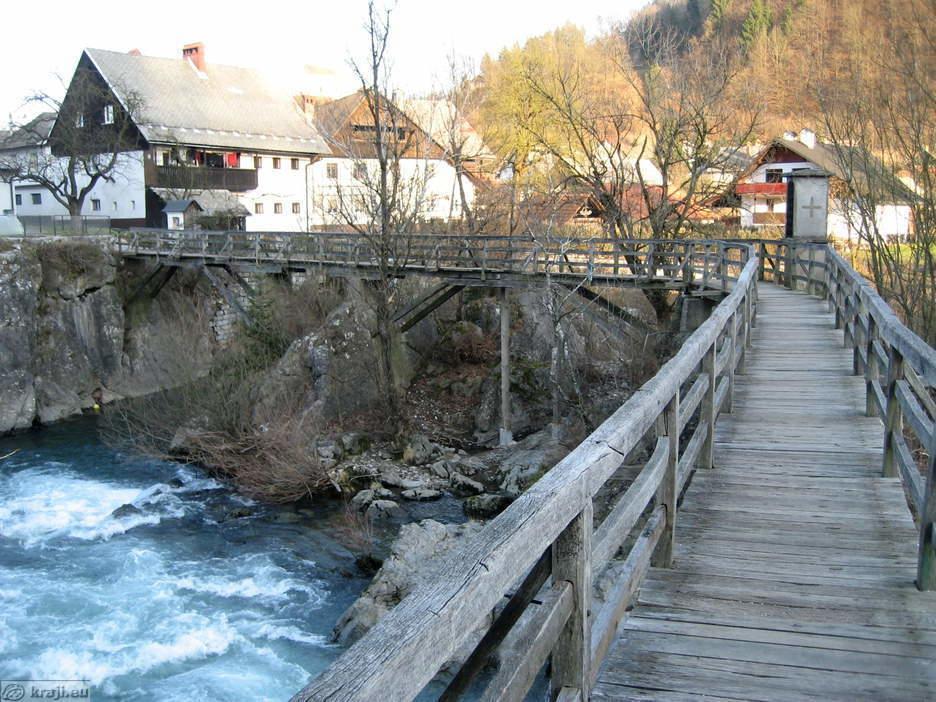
[756, 24]
[719, 10]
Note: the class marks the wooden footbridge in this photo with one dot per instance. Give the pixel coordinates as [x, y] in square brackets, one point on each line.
[776, 544]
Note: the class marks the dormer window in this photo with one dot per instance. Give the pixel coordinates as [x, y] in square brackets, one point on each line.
[79, 120]
[108, 114]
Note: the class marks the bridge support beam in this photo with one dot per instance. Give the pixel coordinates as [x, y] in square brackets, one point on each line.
[506, 436]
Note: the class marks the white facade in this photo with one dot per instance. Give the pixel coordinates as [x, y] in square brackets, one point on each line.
[893, 221]
[123, 198]
[431, 182]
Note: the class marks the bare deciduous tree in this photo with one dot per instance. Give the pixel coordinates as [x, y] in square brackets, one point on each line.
[388, 200]
[883, 124]
[87, 143]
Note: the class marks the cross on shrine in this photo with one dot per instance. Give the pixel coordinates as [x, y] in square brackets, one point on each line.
[812, 206]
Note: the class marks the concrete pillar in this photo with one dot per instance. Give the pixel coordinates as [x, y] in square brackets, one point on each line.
[506, 436]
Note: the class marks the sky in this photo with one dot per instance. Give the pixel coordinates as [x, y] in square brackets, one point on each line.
[276, 36]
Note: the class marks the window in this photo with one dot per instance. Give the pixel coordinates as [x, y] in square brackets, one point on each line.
[37, 198]
[360, 171]
[95, 205]
[114, 206]
[108, 114]
[294, 164]
[258, 208]
[276, 162]
[774, 175]
[79, 120]
[296, 208]
[176, 222]
[165, 158]
[277, 208]
[331, 170]
[258, 162]
[19, 199]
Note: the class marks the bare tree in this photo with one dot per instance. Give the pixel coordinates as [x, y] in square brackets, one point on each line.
[881, 125]
[388, 200]
[692, 117]
[588, 134]
[92, 131]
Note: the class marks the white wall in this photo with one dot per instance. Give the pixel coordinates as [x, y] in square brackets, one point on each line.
[434, 179]
[281, 185]
[124, 198]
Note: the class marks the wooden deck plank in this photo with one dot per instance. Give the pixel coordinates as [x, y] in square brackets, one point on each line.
[795, 559]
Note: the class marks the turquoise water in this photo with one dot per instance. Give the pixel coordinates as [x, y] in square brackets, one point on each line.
[174, 600]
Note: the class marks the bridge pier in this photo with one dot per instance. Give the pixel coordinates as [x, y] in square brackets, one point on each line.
[506, 435]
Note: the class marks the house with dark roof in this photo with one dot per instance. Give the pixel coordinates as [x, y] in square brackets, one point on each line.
[27, 141]
[223, 132]
[762, 188]
[252, 153]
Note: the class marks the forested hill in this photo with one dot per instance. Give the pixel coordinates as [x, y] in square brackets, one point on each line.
[793, 50]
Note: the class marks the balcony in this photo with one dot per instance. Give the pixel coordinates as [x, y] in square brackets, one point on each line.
[236, 180]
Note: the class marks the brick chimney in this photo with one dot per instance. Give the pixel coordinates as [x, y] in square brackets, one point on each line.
[196, 54]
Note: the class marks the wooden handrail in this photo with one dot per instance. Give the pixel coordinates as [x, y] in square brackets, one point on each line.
[899, 369]
[405, 650]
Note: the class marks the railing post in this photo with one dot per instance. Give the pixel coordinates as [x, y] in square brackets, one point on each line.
[666, 494]
[788, 265]
[810, 286]
[761, 264]
[687, 265]
[872, 368]
[732, 360]
[723, 267]
[926, 559]
[571, 561]
[857, 364]
[707, 457]
[893, 421]
[743, 320]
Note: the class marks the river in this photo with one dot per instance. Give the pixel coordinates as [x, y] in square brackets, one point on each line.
[174, 600]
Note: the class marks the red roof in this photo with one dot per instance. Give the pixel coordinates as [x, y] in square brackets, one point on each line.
[761, 188]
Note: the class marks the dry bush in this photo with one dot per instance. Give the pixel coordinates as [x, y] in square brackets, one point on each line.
[215, 419]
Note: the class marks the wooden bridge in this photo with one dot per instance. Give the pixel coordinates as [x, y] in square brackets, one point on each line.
[777, 542]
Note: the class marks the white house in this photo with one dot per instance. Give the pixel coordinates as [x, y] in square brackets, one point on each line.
[427, 175]
[762, 189]
[253, 155]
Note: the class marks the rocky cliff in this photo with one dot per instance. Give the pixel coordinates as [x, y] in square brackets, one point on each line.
[71, 337]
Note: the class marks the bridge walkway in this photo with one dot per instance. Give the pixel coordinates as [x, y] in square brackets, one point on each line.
[794, 559]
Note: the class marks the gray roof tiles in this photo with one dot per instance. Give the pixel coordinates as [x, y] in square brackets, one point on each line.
[222, 107]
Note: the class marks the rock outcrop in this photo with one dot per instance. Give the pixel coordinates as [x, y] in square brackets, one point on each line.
[70, 340]
[412, 557]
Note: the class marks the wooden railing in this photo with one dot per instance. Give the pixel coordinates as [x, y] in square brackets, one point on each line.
[544, 552]
[898, 366]
[899, 369]
[711, 265]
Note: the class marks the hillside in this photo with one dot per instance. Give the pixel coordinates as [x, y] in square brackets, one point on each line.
[792, 50]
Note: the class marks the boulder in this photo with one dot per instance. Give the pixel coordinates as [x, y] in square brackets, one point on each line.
[527, 460]
[418, 450]
[465, 486]
[354, 443]
[383, 509]
[486, 506]
[127, 510]
[411, 560]
[421, 495]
